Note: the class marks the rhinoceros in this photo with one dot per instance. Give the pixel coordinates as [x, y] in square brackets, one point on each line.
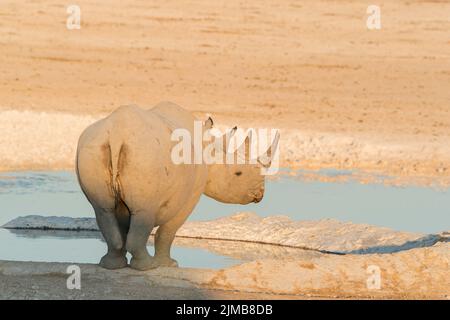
[124, 168]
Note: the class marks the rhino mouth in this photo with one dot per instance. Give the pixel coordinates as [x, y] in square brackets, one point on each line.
[256, 200]
[258, 196]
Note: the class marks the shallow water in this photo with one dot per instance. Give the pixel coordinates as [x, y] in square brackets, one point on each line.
[410, 208]
[416, 209]
[407, 208]
[88, 247]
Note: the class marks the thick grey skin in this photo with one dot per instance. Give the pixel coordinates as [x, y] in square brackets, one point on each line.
[125, 170]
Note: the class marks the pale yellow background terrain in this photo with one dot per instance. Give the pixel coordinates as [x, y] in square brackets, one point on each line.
[345, 96]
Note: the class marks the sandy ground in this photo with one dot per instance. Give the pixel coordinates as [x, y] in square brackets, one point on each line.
[346, 97]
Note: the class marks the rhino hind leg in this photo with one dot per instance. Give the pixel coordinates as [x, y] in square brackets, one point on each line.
[141, 226]
[115, 258]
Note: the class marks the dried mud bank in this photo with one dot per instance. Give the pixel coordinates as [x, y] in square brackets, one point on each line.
[39, 140]
[336, 262]
[40, 280]
[418, 273]
[327, 235]
[47, 141]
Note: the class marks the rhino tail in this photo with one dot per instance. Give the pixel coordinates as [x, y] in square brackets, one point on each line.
[118, 157]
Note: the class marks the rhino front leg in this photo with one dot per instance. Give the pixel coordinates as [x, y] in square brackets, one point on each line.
[115, 257]
[141, 226]
[166, 234]
[163, 242]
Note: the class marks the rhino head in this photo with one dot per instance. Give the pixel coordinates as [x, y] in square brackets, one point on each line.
[239, 183]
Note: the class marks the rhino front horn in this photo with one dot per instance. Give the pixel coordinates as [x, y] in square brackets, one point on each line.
[266, 159]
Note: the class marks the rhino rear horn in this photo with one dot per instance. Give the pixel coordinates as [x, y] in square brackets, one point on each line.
[248, 144]
[228, 137]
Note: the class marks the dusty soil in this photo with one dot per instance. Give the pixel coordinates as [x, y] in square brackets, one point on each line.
[382, 97]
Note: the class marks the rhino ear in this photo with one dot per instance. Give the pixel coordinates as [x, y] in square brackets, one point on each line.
[208, 123]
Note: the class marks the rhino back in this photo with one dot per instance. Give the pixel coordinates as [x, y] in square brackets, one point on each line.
[132, 151]
[174, 115]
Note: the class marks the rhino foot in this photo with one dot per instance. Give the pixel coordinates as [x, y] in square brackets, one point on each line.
[142, 264]
[110, 261]
[152, 263]
[164, 262]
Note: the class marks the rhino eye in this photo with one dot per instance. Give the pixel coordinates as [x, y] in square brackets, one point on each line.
[238, 173]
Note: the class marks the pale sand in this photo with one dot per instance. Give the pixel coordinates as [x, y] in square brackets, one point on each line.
[48, 141]
[345, 97]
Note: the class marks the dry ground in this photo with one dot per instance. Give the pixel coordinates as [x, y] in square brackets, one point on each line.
[310, 66]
